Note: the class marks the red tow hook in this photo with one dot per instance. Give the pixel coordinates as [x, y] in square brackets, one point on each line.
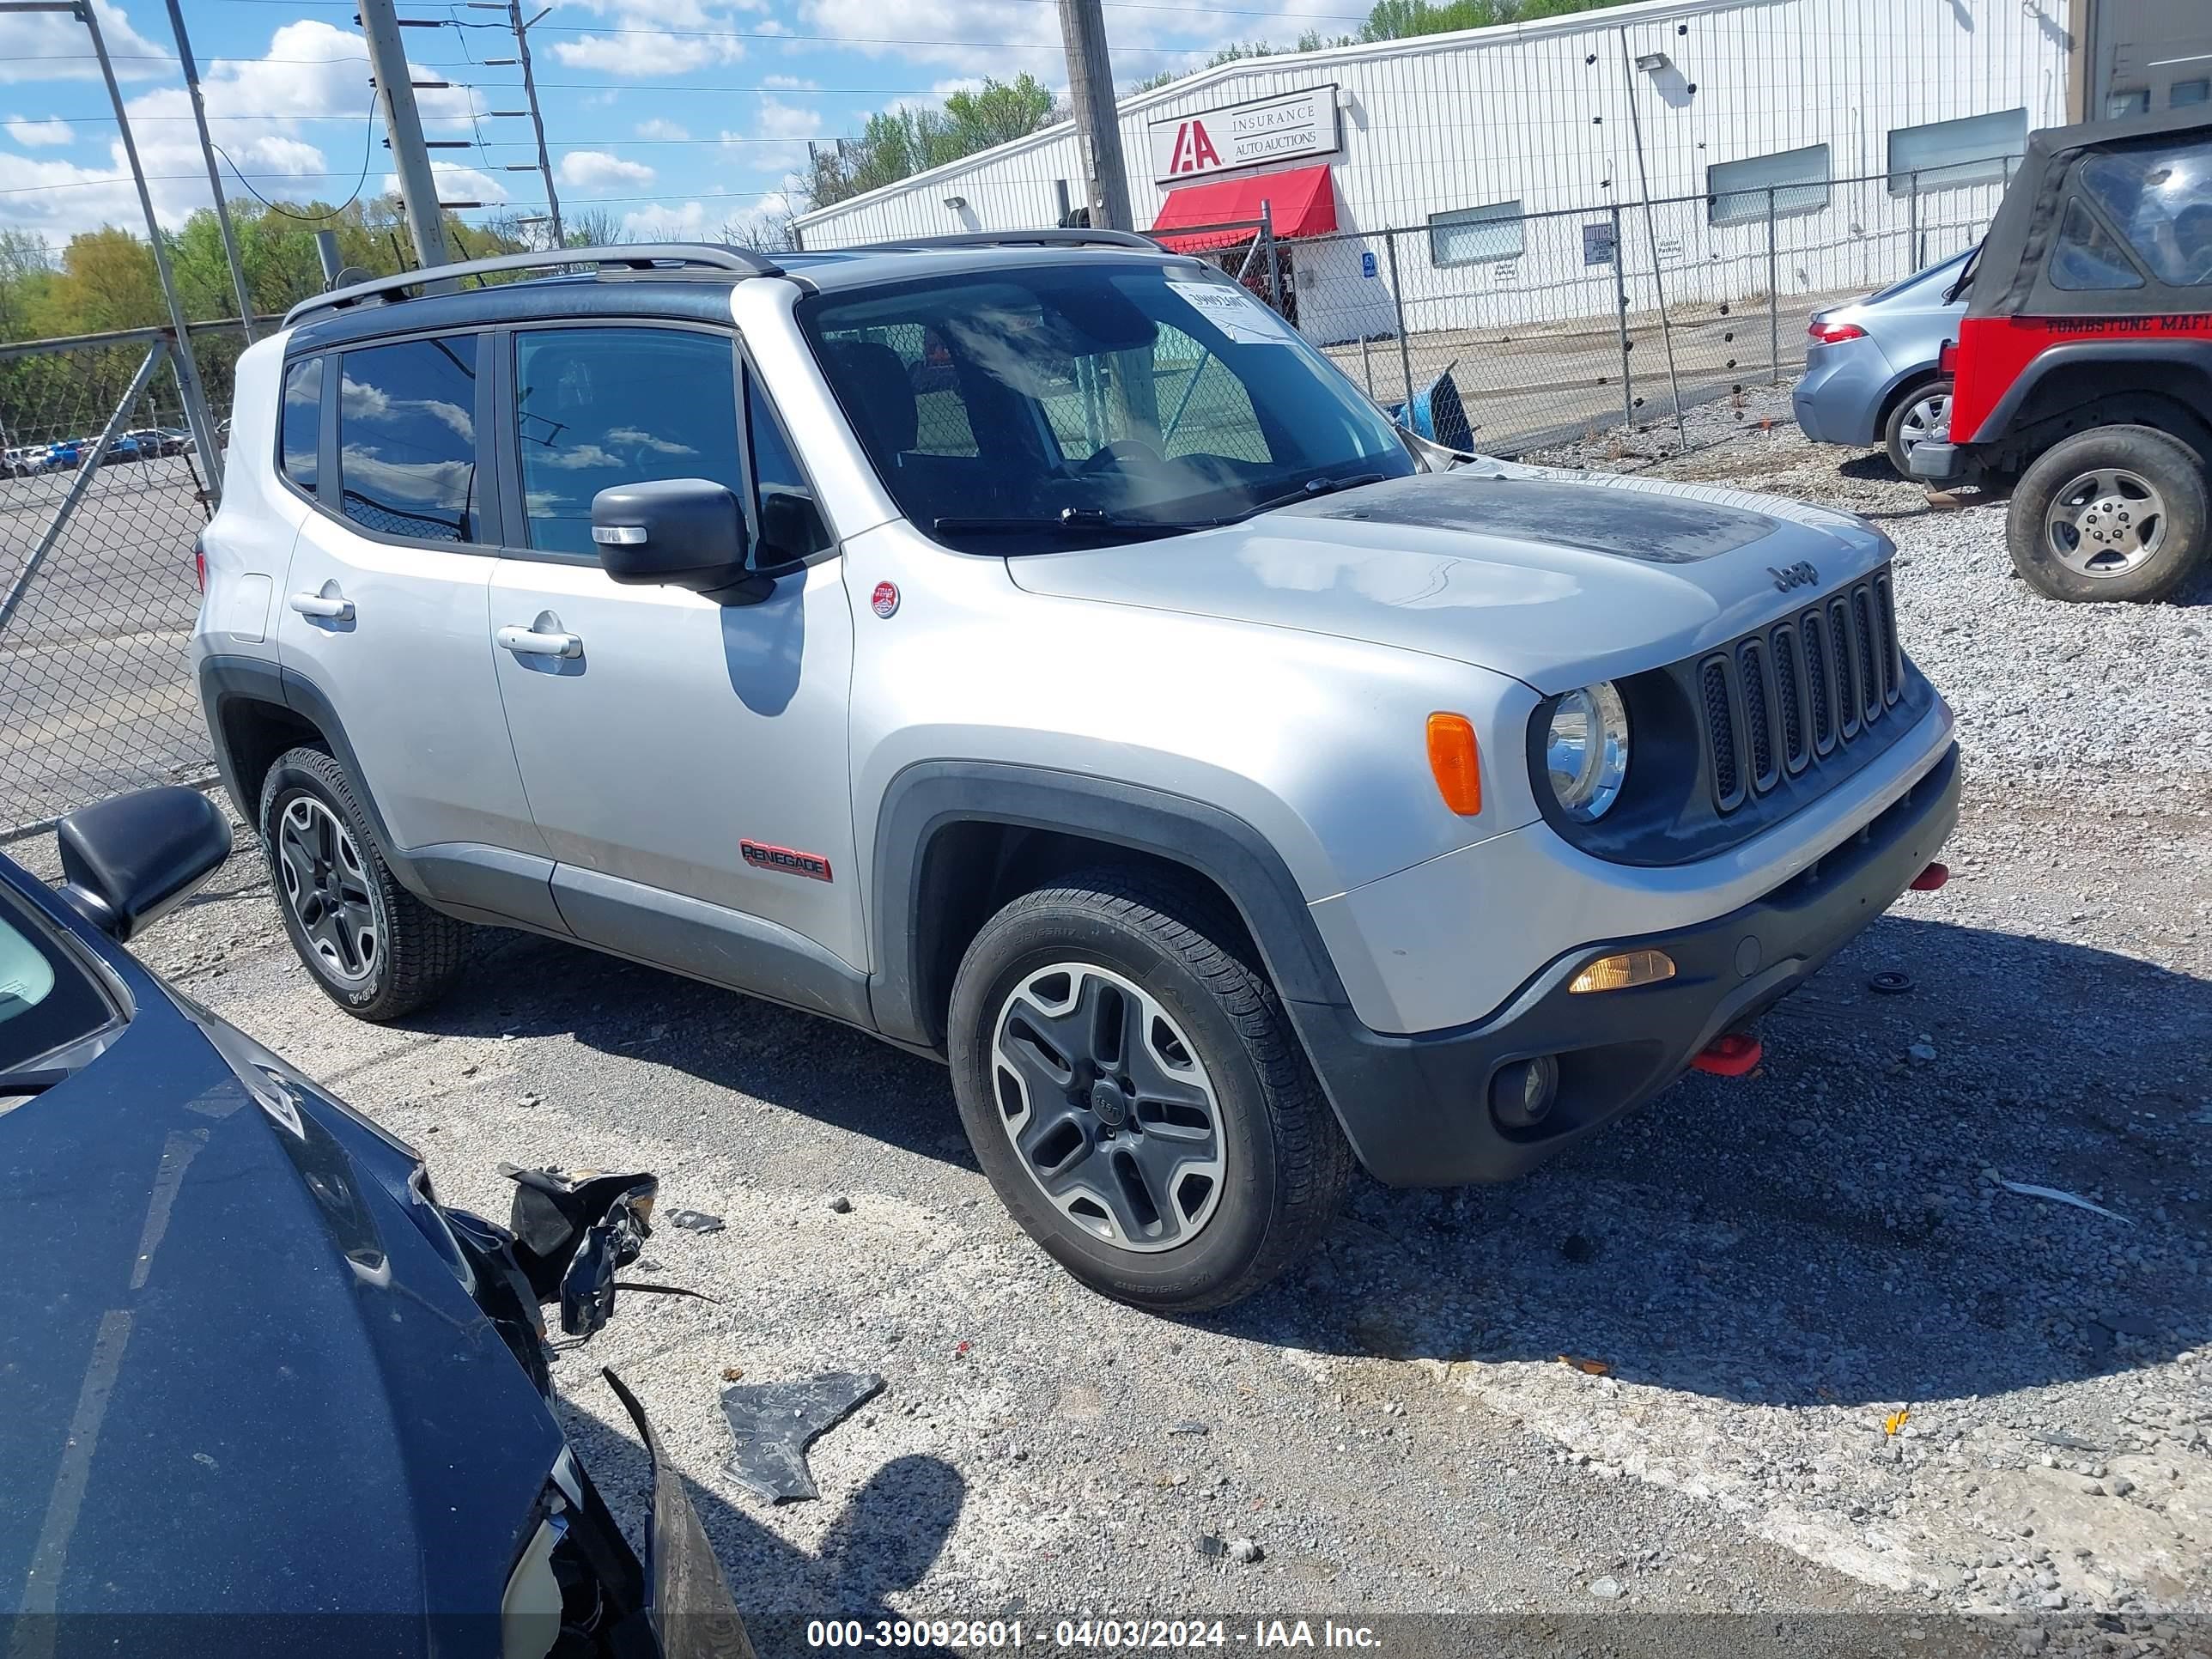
[1932, 878]
[1731, 1054]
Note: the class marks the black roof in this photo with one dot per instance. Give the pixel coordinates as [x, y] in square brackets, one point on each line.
[698, 292]
[2006, 279]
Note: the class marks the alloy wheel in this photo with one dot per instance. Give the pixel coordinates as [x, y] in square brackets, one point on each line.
[1926, 415]
[1107, 1106]
[326, 886]
[2106, 522]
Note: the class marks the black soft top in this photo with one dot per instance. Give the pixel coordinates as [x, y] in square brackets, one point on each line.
[2008, 276]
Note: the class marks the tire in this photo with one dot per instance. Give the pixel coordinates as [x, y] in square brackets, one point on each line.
[1919, 411]
[2117, 513]
[1230, 1207]
[381, 953]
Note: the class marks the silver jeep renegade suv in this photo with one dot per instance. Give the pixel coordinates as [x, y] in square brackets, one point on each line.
[1028, 650]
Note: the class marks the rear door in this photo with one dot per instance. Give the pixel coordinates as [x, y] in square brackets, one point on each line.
[686, 762]
[384, 608]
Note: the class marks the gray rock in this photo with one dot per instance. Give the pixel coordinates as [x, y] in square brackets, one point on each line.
[1245, 1552]
[841, 1205]
[1607, 1589]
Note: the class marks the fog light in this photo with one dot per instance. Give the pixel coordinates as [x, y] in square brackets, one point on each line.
[1621, 972]
[1523, 1093]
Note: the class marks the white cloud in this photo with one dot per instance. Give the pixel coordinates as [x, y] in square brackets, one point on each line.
[975, 37]
[665, 223]
[266, 115]
[457, 183]
[55, 47]
[782, 120]
[594, 169]
[658, 128]
[38, 134]
[653, 37]
[791, 83]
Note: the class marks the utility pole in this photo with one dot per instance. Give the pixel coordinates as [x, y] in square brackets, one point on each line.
[215, 178]
[1097, 116]
[545, 164]
[395, 92]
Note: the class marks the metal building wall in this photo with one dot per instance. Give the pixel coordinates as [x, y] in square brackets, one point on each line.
[1547, 114]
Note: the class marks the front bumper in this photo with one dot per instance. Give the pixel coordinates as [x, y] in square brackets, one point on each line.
[1417, 1109]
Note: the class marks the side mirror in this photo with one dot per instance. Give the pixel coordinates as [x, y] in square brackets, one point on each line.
[677, 533]
[127, 862]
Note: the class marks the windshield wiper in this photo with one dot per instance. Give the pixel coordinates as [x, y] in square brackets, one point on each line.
[1312, 489]
[1087, 520]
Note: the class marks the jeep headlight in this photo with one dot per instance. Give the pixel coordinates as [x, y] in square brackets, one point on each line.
[1586, 750]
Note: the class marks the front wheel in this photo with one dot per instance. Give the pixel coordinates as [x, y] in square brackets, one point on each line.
[1131, 1087]
[2114, 512]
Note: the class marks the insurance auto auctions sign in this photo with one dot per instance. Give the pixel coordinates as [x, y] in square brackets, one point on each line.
[1287, 128]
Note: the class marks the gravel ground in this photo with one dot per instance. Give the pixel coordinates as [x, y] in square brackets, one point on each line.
[1767, 1276]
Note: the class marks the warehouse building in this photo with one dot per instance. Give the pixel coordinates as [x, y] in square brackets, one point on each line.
[1539, 171]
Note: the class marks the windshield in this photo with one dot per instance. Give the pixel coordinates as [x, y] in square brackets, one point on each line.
[46, 1000]
[1145, 397]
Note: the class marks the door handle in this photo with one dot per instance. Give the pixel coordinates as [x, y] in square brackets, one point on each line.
[531, 642]
[329, 606]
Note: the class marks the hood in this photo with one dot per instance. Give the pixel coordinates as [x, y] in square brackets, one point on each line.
[1554, 578]
[239, 1379]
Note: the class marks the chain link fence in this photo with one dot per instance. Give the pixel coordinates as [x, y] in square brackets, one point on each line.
[102, 492]
[1565, 325]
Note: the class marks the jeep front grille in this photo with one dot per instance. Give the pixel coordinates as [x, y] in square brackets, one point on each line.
[1792, 694]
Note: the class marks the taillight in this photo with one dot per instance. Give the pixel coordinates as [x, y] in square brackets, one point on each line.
[199, 564]
[1835, 333]
[1946, 358]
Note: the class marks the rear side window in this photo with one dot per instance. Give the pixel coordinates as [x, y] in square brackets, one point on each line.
[2161, 199]
[407, 439]
[596, 407]
[301, 442]
[2087, 259]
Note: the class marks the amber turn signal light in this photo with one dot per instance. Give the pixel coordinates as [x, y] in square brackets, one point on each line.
[1456, 763]
[1630, 968]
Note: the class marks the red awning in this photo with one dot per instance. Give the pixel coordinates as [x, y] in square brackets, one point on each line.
[1303, 203]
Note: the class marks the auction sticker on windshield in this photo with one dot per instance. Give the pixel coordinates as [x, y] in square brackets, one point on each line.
[1235, 312]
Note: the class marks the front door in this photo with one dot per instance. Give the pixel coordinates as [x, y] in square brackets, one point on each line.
[685, 761]
[384, 606]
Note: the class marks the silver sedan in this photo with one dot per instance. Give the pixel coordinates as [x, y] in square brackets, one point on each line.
[1870, 369]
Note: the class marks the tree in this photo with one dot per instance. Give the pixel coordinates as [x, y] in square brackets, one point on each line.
[897, 143]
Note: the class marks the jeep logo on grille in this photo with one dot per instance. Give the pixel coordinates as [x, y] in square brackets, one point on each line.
[1800, 574]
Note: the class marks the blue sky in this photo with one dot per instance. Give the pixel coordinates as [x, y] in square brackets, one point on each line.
[675, 116]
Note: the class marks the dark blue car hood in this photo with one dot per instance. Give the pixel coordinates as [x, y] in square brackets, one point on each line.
[236, 1377]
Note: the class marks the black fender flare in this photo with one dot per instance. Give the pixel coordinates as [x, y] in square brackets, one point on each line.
[2172, 359]
[929, 796]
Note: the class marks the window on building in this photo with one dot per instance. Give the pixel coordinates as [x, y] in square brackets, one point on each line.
[301, 439]
[1469, 236]
[2161, 199]
[2125, 101]
[1978, 151]
[407, 439]
[2086, 258]
[1795, 180]
[2186, 95]
[784, 507]
[594, 410]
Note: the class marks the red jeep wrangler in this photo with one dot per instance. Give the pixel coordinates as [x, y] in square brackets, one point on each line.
[2084, 362]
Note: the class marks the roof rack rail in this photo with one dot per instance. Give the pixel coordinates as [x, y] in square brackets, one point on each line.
[634, 256]
[1026, 238]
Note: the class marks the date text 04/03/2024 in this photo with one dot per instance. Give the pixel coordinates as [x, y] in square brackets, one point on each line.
[1095, 1634]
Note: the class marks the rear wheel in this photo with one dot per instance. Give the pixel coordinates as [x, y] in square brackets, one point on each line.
[1919, 414]
[1132, 1090]
[377, 950]
[2114, 512]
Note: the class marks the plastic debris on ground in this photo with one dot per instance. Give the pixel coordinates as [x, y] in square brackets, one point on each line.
[2056, 1197]
[773, 1423]
[696, 1221]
